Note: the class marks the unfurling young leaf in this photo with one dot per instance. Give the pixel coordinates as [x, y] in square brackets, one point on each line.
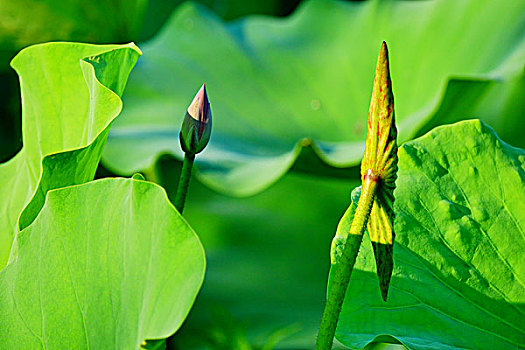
[374, 209]
[380, 161]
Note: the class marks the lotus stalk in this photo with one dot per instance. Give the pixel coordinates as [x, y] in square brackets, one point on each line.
[194, 136]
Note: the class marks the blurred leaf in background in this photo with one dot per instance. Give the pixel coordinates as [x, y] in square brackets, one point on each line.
[275, 81]
[28, 22]
[159, 11]
[503, 108]
[268, 256]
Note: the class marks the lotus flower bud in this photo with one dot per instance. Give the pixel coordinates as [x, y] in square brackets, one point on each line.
[196, 127]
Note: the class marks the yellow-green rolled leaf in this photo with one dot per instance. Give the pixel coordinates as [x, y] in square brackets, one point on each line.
[380, 163]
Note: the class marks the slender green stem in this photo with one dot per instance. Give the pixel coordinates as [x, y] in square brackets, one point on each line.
[180, 199]
[342, 270]
[184, 181]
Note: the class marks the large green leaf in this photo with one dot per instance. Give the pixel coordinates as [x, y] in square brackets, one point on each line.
[459, 276]
[159, 11]
[105, 265]
[70, 96]
[273, 82]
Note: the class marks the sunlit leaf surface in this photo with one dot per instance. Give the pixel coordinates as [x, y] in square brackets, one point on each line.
[105, 265]
[459, 276]
[70, 96]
